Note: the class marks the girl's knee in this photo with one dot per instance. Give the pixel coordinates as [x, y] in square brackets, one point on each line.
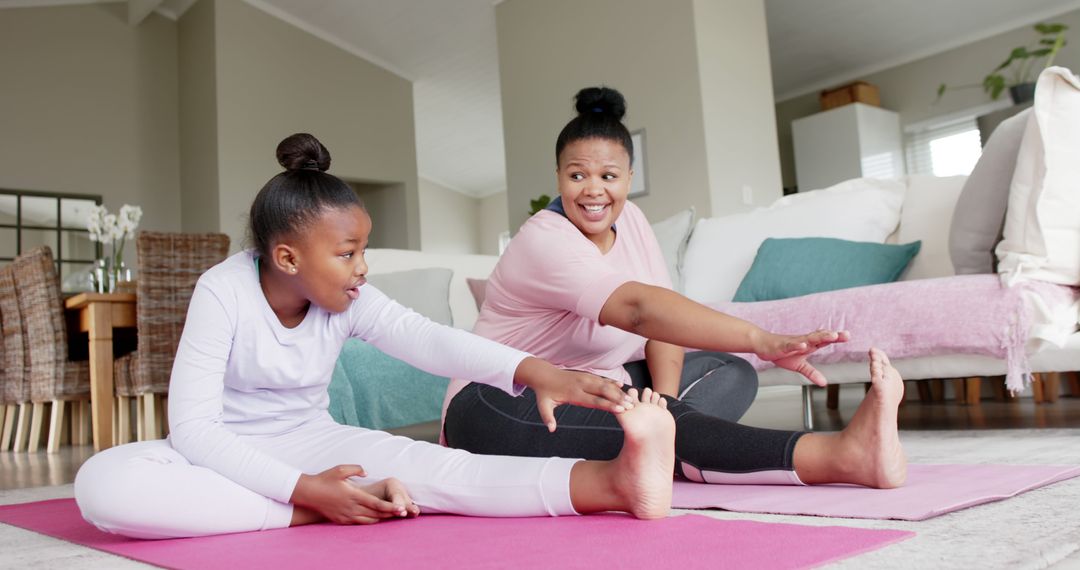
[111, 486]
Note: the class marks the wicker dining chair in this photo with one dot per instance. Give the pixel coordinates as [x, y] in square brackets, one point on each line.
[14, 390]
[169, 266]
[53, 378]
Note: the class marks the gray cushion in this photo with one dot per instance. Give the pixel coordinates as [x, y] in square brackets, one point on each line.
[673, 234]
[426, 291]
[979, 217]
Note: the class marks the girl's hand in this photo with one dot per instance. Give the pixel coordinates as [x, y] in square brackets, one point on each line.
[790, 352]
[331, 494]
[555, 387]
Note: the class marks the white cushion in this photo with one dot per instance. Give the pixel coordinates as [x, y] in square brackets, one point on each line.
[426, 291]
[1042, 223]
[462, 305]
[722, 249]
[673, 233]
[928, 210]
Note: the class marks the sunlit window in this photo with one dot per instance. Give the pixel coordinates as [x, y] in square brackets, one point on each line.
[944, 150]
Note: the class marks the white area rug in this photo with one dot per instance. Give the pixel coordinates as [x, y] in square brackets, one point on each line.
[1038, 529]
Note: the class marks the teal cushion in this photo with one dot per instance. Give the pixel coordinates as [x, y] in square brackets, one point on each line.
[792, 267]
[373, 390]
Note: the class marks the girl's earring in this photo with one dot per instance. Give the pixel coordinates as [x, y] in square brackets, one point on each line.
[293, 269]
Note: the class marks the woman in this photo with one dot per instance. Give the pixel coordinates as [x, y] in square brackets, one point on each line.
[584, 286]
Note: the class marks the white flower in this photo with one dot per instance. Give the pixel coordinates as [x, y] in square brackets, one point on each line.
[95, 223]
[131, 215]
[109, 229]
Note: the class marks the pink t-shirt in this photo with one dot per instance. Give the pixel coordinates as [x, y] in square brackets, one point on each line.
[545, 295]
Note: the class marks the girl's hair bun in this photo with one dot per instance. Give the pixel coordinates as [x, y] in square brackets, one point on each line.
[600, 101]
[303, 152]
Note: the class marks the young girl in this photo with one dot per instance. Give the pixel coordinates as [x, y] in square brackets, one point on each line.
[252, 446]
[584, 286]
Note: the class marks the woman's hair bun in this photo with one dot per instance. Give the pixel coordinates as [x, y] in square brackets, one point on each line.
[303, 152]
[600, 100]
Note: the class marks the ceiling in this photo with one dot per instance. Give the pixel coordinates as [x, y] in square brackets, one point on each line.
[448, 49]
[814, 45]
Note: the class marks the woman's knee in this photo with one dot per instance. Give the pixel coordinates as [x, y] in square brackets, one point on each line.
[726, 386]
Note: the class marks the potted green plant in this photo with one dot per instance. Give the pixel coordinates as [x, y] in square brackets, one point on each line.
[1019, 72]
[537, 204]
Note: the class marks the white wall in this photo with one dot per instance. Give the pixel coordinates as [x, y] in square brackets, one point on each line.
[273, 80]
[199, 184]
[89, 106]
[493, 221]
[550, 49]
[911, 89]
[695, 74]
[449, 220]
[736, 95]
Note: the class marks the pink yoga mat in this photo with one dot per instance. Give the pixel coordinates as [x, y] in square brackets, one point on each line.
[598, 541]
[931, 490]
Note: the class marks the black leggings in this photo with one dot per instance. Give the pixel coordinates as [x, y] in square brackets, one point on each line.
[716, 389]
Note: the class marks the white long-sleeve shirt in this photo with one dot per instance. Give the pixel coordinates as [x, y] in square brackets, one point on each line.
[239, 371]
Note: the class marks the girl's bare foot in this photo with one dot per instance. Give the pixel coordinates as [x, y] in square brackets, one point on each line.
[303, 515]
[644, 467]
[639, 480]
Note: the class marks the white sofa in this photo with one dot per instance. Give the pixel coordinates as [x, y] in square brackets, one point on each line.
[926, 211]
[925, 214]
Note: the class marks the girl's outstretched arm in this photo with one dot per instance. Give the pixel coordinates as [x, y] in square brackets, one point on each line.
[455, 353]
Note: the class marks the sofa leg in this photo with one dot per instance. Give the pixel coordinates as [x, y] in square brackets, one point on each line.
[808, 409]
[832, 396]
[924, 390]
[937, 389]
[1037, 387]
[959, 391]
[1051, 386]
[973, 390]
[1074, 384]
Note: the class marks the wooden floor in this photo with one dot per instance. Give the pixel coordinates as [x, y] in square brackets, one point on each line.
[774, 408]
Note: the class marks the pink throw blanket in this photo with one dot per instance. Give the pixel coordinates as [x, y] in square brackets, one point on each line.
[963, 314]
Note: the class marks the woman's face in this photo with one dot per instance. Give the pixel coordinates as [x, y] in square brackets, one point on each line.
[331, 264]
[594, 179]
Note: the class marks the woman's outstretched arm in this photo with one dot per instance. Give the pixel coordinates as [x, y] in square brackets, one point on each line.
[661, 314]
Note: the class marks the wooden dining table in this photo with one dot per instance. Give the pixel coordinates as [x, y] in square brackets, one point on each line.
[98, 315]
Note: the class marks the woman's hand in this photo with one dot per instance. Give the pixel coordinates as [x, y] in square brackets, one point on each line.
[554, 387]
[790, 352]
[334, 496]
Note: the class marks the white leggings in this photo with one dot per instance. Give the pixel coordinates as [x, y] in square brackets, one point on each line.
[149, 490]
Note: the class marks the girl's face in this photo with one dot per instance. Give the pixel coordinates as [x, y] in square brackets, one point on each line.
[594, 179]
[330, 258]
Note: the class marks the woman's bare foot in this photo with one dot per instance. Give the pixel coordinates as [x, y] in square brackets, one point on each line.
[868, 451]
[639, 480]
[871, 440]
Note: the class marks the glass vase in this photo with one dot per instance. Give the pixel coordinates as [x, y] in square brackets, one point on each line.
[102, 276]
[121, 276]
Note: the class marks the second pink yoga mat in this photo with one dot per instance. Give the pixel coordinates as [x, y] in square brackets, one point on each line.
[598, 541]
[931, 490]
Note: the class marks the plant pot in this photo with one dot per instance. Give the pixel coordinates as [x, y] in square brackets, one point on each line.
[1023, 93]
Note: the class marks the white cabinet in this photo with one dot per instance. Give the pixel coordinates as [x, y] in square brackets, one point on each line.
[852, 141]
